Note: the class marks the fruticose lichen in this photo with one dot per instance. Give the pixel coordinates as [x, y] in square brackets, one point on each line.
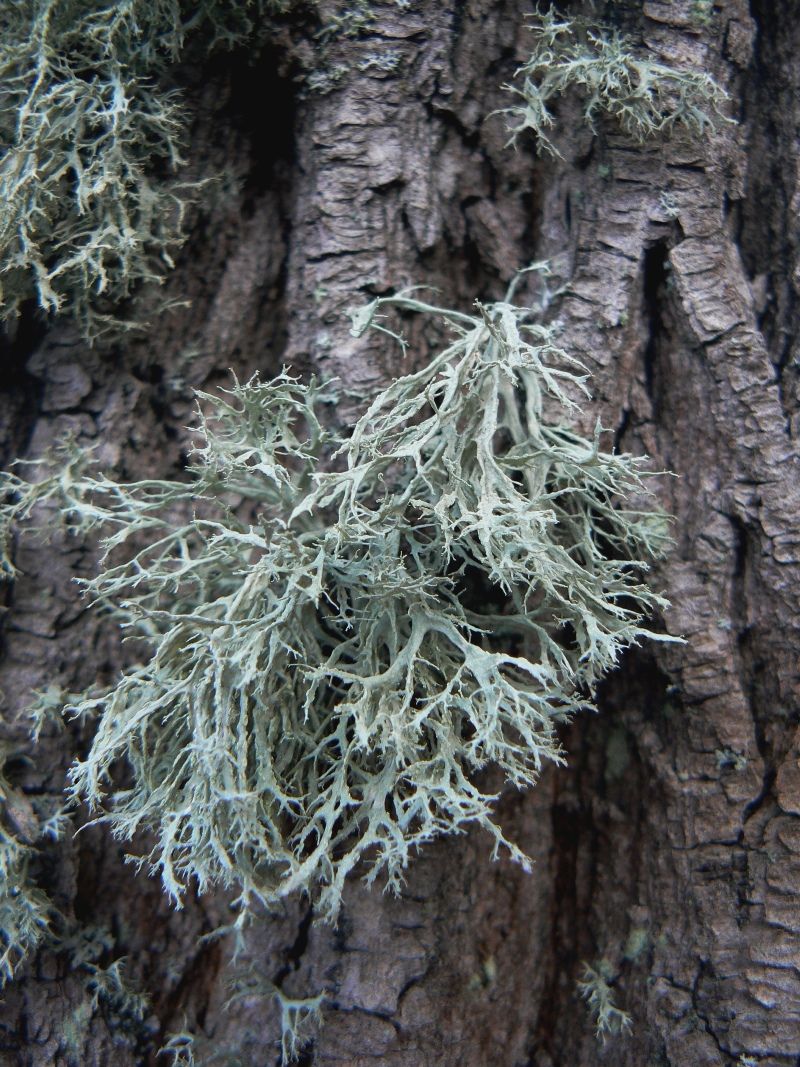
[90, 141]
[643, 96]
[25, 911]
[299, 1017]
[345, 629]
[596, 990]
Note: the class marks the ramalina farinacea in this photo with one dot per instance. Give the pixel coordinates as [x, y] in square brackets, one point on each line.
[86, 124]
[644, 96]
[345, 629]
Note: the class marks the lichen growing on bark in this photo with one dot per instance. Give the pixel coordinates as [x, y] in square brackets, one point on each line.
[643, 96]
[25, 911]
[596, 989]
[90, 205]
[345, 629]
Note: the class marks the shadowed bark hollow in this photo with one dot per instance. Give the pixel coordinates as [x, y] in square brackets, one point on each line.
[669, 845]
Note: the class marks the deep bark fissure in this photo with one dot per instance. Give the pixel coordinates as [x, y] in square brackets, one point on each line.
[773, 119]
[21, 392]
[294, 954]
[655, 275]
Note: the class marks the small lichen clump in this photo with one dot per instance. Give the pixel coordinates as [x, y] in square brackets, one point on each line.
[346, 628]
[643, 96]
[596, 990]
[25, 911]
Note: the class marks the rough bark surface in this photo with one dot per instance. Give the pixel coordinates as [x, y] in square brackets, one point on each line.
[670, 845]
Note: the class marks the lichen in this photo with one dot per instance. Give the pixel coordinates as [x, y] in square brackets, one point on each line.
[596, 990]
[91, 205]
[299, 1017]
[25, 911]
[179, 1049]
[345, 628]
[643, 96]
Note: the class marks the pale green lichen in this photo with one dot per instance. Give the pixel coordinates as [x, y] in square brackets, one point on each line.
[111, 987]
[299, 1020]
[729, 760]
[92, 136]
[326, 79]
[643, 96]
[86, 128]
[382, 62]
[25, 911]
[702, 12]
[596, 990]
[300, 1017]
[638, 942]
[346, 629]
[349, 20]
[179, 1049]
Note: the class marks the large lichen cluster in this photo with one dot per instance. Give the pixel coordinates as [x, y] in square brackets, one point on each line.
[642, 95]
[344, 631]
[90, 142]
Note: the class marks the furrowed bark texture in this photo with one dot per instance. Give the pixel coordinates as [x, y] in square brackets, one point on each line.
[670, 845]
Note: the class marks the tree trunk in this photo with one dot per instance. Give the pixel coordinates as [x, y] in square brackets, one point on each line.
[667, 847]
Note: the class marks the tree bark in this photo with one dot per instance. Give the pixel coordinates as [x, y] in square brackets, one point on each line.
[669, 845]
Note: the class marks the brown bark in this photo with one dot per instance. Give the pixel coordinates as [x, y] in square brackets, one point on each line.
[669, 845]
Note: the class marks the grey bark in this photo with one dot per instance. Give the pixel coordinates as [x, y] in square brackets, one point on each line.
[670, 844]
